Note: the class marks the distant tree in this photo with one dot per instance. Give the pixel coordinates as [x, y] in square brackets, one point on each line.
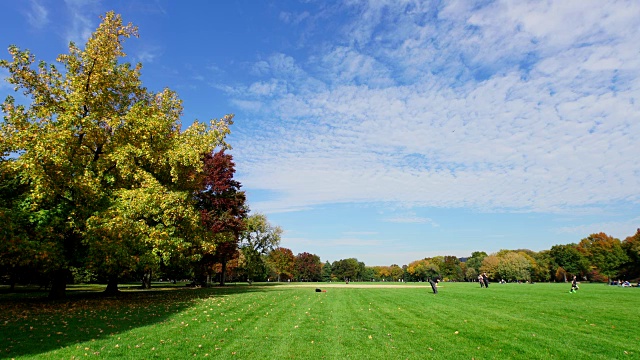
[490, 265]
[307, 267]
[258, 239]
[475, 261]
[421, 270]
[540, 263]
[347, 269]
[605, 253]
[569, 258]
[396, 272]
[281, 261]
[451, 268]
[326, 272]
[631, 246]
[471, 274]
[368, 273]
[561, 274]
[382, 273]
[513, 266]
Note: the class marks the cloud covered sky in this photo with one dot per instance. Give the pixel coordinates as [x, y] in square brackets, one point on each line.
[394, 130]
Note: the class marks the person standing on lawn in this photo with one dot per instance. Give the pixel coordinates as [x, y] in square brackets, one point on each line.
[434, 284]
[485, 279]
[481, 281]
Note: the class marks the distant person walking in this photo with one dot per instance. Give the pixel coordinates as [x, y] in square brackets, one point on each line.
[434, 285]
[481, 281]
[485, 279]
[574, 284]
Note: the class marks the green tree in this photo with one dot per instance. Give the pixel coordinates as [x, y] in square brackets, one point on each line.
[513, 266]
[326, 271]
[281, 261]
[27, 246]
[368, 273]
[451, 268]
[258, 239]
[605, 253]
[104, 157]
[569, 258]
[631, 246]
[473, 265]
[347, 269]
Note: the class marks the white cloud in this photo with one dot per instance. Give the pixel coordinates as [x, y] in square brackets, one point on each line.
[38, 15]
[411, 219]
[293, 18]
[533, 122]
[84, 19]
[617, 229]
[147, 55]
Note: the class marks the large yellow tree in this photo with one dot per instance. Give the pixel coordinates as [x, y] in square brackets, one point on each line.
[105, 156]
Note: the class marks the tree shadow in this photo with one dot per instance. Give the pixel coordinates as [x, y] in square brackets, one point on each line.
[31, 324]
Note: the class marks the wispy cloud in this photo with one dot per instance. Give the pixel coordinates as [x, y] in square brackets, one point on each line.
[84, 20]
[147, 54]
[293, 18]
[411, 219]
[498, 106]
[4, 85]
[38, 15]
[619, 229]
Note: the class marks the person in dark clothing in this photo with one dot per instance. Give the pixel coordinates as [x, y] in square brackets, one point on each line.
[434, 284]
[485, 279]
[574, 284]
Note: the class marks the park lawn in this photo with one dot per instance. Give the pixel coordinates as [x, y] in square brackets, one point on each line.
[463, 321]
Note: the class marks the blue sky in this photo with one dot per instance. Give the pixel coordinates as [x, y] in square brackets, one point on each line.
[396, 130]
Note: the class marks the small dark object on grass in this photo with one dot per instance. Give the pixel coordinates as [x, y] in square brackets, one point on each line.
[318, 290]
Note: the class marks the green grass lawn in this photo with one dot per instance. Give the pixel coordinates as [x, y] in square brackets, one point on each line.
[511, 321]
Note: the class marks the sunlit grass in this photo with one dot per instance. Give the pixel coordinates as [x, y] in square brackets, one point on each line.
[522, 321]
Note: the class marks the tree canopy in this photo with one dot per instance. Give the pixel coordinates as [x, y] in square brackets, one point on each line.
[108, 170]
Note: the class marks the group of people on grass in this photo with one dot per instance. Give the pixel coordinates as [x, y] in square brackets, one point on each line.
[484, 283]
[483, 280]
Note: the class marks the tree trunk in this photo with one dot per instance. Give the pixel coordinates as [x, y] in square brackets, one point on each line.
[224, 271]
[112, 286]
[58, 284]
[146, 280]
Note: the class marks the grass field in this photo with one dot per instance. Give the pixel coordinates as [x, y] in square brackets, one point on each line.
[359, 321]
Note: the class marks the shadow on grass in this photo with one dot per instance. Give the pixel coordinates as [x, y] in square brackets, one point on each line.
[30, 324]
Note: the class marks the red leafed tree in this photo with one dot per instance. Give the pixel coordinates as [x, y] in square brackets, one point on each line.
[222, 208]
[307, 267]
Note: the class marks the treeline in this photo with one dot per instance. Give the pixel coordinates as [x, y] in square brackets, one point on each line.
[598, 258]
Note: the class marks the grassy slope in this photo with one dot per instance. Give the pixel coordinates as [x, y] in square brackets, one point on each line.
[521, 321]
